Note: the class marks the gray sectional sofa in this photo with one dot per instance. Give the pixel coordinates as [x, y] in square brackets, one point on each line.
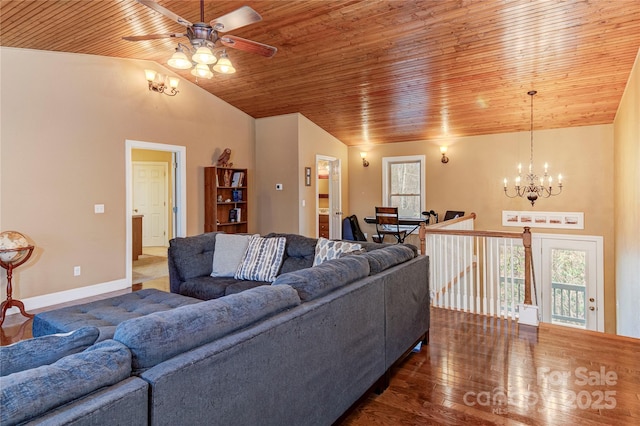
[299, 350]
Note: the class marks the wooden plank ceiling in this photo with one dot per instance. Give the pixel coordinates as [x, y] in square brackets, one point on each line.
[380, 71]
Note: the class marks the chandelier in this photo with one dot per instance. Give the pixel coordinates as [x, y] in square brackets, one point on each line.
[530, 185]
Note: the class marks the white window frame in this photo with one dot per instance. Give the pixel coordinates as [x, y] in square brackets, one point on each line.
[386, 185]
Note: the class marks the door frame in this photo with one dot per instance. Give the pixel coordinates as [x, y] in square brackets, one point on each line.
[335, 200]
[536, 247]
[179, 187]
[166, 209]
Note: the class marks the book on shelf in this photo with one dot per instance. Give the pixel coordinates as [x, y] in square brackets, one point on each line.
[237, 179]
[238, 214]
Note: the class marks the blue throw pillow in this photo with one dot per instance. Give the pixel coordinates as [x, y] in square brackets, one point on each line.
[44, 350]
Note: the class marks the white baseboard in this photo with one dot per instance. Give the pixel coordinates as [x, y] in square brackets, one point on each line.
[46, 300]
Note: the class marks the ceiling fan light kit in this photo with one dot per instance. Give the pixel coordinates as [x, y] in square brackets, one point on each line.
[203, 38]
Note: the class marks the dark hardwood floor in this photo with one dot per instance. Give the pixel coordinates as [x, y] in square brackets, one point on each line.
[479, 370]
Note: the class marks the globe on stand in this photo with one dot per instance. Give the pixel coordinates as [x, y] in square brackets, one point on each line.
[14, 251]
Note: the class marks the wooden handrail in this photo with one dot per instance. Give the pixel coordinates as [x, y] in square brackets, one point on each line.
[525, 236]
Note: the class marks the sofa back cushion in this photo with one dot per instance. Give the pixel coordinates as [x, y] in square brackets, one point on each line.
[159, 336]
[330, 249]
[311, 283]
[33, 353]
[386, 257]
[30, 393]
[299, 252]
[193, 256]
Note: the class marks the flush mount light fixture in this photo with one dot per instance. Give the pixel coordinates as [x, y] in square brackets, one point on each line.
[162, 84]
[534, 187]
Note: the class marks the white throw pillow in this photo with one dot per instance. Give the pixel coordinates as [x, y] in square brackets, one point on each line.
[327, 250]
[262, 259]
[228, 254]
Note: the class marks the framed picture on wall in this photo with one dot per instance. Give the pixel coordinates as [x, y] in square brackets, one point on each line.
[561, 220]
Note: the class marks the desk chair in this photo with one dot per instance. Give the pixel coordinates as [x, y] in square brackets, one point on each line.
[387, 223]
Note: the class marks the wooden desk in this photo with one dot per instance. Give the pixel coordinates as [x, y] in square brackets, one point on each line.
[406, 222]
[136, 233]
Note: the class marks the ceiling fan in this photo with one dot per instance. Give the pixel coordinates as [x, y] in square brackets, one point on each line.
[203, 38]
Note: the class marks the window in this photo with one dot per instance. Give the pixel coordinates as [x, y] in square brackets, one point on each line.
[403, 184]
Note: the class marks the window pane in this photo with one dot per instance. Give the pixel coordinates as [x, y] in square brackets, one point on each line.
[408, 205]
[405, 178]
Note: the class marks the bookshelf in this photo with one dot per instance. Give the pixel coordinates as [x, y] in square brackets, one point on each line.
[225, 198]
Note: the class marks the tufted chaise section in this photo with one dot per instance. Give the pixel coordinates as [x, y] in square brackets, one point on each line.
[106, 314]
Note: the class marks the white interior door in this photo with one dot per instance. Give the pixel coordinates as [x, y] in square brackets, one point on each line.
[335, 199]
[571, 279]
[150, 200]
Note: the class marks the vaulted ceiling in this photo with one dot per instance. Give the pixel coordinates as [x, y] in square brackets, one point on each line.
[374, 71]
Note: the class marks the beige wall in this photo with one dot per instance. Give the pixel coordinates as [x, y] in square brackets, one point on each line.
[277, 162]
[315, 141]
[473, 180]
[627, 205]
[285, 145]
[65, 119]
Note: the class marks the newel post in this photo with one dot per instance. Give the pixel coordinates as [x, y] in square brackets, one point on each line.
[422, 234]
[526, 241]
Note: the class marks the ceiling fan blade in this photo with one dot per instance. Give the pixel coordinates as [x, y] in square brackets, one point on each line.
[164, 11]
[236, 19]
[249, 46]
[153, 36]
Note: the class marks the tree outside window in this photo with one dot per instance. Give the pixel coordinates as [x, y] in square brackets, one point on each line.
[403, 181]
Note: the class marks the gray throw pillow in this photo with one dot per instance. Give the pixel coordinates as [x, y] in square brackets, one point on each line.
[228, 254]
[44, 350]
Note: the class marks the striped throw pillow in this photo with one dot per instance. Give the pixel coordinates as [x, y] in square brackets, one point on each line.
[262, 259]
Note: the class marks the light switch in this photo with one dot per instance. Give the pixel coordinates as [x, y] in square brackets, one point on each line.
[278, 187]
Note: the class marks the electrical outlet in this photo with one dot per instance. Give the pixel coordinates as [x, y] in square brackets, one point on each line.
[76, 271]
[98, 208]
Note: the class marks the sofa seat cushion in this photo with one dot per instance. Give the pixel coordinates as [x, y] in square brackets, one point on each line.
[30, 393]
[384, 258]
[157, 337]
[106, 314]
[45, 350]
[207, 288]
[315, 282]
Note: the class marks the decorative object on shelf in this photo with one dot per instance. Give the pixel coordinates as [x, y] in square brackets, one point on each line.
[534, 187]
[14, 251]
[223, 160]
[237, 179]
[162, 84]
[307, 176]
[443, 151]
[227, 178]
[206, 41]
[365, 163]
[219, 198]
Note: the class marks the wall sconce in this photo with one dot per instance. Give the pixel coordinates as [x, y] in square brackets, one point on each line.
[365, 163]
[158, 83]
[444, 159]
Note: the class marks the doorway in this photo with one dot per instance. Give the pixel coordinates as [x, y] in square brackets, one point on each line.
[571, 277]
[328, 197]
[162, 184]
